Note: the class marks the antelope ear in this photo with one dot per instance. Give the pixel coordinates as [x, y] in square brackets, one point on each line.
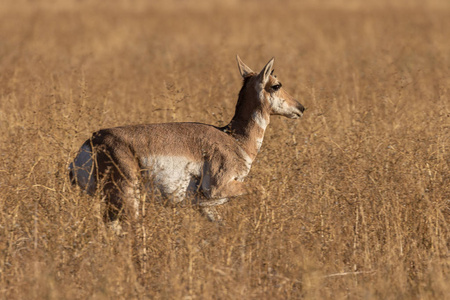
[266, 71]
[243, 69]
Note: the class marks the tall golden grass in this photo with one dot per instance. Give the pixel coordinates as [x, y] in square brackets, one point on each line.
[357, 201]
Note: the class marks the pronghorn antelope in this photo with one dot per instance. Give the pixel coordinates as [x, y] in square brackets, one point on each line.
[182, 160]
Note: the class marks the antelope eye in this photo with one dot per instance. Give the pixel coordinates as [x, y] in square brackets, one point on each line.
[276, 87]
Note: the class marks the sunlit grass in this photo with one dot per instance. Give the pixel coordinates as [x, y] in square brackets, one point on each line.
[357, 191]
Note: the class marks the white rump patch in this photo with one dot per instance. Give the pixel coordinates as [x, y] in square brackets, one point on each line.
[82, 169]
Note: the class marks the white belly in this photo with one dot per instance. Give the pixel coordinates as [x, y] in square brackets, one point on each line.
[174, 176]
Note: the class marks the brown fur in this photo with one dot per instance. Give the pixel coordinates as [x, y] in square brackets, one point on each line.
[225, 153]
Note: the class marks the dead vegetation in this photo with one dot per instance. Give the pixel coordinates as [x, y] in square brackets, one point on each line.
[357, 199]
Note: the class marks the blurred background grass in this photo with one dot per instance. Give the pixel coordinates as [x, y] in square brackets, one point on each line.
[357, 192]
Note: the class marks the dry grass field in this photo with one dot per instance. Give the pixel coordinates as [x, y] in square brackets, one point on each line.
[357, 201]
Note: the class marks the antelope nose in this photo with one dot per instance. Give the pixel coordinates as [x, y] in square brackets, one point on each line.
[301, 108]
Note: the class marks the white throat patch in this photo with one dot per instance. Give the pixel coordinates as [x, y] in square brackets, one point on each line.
[260, 120]
[259, 142]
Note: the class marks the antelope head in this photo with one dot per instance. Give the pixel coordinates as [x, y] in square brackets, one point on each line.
[270, 92]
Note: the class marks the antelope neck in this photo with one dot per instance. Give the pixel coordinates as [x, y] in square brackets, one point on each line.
[248, 130]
